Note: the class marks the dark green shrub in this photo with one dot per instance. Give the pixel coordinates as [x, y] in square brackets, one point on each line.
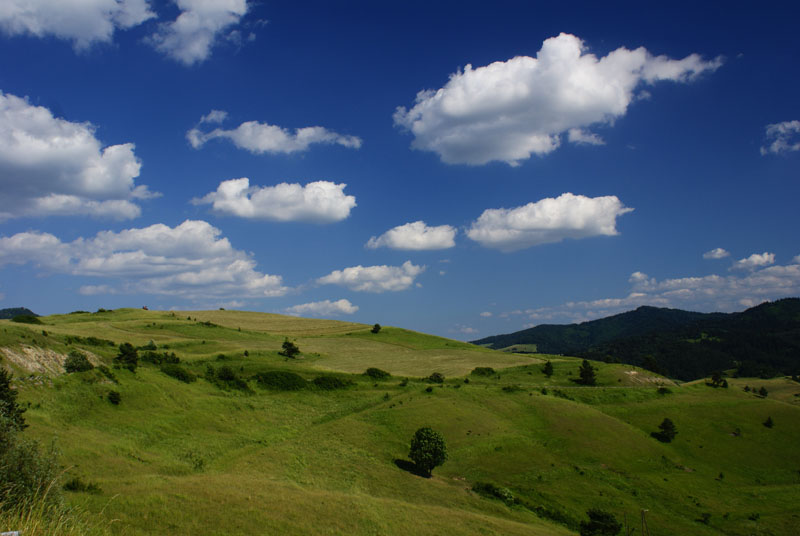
[280, 380]
[330, 383]
[376, 328]
[664, 391]
[428, 450]
[601, 523]
[769, 423]
[77, 362]
[178, 372]
[376, 373]
[436, 377]
[114, 397]
[513, 388]
[547, 369]
[429, 389]
[763, 392]
[149, 346]
[127, 357]
[26, 319]
[483, 371]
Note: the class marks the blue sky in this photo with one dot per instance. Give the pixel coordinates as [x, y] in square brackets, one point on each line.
[458, 168]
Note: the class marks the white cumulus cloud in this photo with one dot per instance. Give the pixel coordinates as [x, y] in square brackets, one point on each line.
[190, 260]
[190, 38]
[486, 314]
[716, 253]
[260, 138]
[756, 260]
[508, 110]
[318, 202]
[547, 220]
[323, 308]
[50, 166]
[415, 236]
[374, 278]
[782, 138]
[83, 22]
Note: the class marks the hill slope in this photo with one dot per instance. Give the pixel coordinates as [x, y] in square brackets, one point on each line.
[208, 457]
[763, 340]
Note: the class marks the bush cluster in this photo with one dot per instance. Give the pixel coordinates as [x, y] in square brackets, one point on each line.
[331, 383]
[280, 380]
[225, 378]
[376, 373]
[91, 341]
[178, 372]
[483, 371]
[77, 362]
[26, 319]
[157, 358]
[436, 377]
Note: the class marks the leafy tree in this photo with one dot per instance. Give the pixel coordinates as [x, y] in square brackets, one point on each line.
[763, 391]
[76, 362]
[548, 369]
[768, 423]
[428, 450]
[667, 431]
[601, 523]
[376, 328]
[290, 349]
[10, 412]
[128, 357]
[586, 373]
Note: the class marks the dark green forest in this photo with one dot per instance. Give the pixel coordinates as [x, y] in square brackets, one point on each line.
[761, 341]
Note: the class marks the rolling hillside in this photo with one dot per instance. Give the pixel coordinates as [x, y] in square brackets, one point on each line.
[216, 457]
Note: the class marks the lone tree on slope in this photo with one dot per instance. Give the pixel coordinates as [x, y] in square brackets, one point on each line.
[427, 450]
[667, 431]
[548, 369]
[376, 328]
[290, 349]
[586, 372]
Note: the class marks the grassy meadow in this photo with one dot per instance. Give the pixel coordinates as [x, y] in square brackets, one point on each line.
[208, 458]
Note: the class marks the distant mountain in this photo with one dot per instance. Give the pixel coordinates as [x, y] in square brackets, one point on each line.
[15, 311]
[761, 341]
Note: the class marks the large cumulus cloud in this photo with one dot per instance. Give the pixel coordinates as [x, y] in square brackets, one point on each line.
[50, 166]
[509, 110]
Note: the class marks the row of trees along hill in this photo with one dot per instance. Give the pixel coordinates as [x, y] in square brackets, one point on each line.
[761, 341]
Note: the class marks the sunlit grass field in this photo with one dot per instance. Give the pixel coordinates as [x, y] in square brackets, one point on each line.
[194, 458]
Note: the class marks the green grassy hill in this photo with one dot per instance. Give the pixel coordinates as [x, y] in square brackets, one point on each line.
[208, 458]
